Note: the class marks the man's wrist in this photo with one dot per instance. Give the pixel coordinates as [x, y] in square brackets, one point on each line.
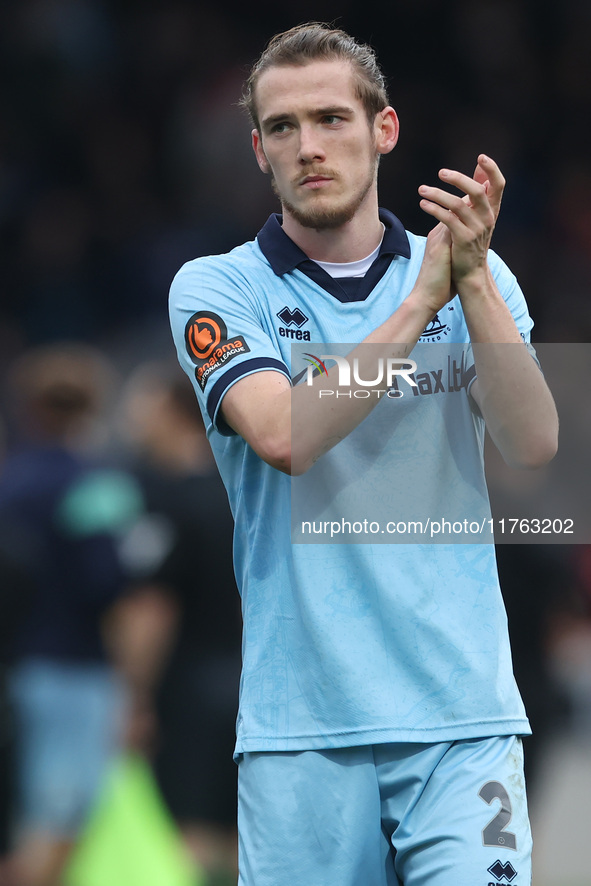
[420, 307]
[477, 284]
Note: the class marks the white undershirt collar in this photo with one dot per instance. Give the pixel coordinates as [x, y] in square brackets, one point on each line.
[357, 268]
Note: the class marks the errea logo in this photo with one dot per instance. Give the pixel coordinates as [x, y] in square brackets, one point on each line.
[503, 871]
[295, 318]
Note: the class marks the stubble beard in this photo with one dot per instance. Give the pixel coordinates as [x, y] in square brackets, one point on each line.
[325, 218]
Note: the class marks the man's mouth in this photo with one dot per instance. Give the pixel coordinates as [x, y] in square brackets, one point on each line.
[315, 181]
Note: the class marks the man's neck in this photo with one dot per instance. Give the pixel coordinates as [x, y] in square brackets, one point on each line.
[352, 241]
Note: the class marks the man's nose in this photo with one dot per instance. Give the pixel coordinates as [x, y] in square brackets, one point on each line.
[310, 148]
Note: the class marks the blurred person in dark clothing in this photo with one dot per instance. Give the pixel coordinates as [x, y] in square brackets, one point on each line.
[537, 581]
[65, 510]
[182, 642]
[15, 591]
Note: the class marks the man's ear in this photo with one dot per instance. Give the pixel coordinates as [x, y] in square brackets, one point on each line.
[257, 146]
[387, 129]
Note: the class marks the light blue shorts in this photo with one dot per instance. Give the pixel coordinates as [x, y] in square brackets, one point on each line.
[450, 814]
[68, 726]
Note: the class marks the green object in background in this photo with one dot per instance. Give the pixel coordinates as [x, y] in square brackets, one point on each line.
[130, 838]
[100, 501]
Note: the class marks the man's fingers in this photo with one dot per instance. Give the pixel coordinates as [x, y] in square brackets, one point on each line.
[468, 219]
[487, 170]
[474, 189]
[446, 217]
[477, 210]
[440, 234]
[466, 197]
[444, 233]
[472, 210]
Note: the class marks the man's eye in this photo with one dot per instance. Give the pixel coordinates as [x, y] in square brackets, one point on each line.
[280, 127]
[331, 119]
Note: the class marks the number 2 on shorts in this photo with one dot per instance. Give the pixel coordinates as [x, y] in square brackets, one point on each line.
[494, 834]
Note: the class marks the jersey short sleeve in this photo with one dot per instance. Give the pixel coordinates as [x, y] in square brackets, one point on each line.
[219, 333]
[512, 294]
[514, 298]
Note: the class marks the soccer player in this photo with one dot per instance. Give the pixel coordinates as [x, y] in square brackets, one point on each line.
[379, 724]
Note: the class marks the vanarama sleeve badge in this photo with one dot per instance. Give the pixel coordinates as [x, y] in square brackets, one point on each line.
[208, 346]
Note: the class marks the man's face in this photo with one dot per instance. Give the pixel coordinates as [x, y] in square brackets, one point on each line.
[316, 142]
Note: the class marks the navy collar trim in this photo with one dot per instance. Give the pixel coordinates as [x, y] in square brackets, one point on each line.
[284, 255]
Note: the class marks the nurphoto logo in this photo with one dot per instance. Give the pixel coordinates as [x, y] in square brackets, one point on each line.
[387, 373]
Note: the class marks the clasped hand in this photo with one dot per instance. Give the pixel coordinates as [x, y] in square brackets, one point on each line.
[457, 247]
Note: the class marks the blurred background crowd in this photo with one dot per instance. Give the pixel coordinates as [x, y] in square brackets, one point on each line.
[122, 155]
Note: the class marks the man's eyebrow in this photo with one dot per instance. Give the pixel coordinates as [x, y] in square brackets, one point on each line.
[314, 112]
[333, 109]
[274, 118]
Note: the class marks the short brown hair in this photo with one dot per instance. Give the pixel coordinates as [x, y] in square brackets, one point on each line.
[318, 41]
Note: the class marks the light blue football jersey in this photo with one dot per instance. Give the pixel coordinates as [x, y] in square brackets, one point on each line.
[344, 644]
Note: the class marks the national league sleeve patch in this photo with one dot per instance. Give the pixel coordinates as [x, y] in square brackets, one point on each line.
[208, 345]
